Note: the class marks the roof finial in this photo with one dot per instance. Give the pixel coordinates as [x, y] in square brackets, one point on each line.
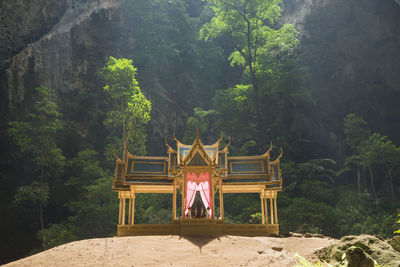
[197, 133]
[222, 136]
[170, 149]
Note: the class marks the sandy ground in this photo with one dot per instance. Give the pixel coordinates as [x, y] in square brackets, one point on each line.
[178, 251]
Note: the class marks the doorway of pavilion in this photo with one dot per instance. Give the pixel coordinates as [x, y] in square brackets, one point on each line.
[198, 209]
[198, 200]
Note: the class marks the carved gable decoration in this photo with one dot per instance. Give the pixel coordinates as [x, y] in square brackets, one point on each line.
[197, 155]
[197, 160]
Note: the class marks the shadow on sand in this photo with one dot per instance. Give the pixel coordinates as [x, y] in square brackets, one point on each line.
[200, 241]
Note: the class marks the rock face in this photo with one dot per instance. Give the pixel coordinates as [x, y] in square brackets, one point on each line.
[355, 246]
[395, 243]
[68, 56]
[356, 257]
[352, 49]
[23, 22]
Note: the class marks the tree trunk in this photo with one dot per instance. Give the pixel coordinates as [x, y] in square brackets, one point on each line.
[358, 180]
[373, 186]
[256, 99]
[41, 215]
[391, 184]
[250, 61]
[123, 130]
[41, 192]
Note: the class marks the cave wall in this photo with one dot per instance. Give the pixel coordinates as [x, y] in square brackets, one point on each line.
[352, 49]
[67, 57]
[23, 22]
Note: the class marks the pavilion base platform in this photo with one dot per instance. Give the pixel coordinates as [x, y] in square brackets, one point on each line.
[199, 227]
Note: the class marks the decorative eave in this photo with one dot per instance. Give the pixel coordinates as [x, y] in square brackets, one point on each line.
[278, 159]
[170, 149]
[226, 148]
[268, 153]
[216, 144]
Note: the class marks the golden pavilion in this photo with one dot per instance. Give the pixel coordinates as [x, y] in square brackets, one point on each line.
[195, 174]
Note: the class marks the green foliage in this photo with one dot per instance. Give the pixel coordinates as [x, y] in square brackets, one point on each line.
[397, 231]
[378, 148]
[55, 235]
[302, 262]
[256, 218]
[370, 151]
[265, 106]
[357, 215]
[355, 130]
[181, 72]
[304, 215]
[201, 120]
[131, 109]
[93, 205]
[36, 136]
[153, 208]
[87, 169]
[240, 208]
[96, 213]
[308, 197]
[34, 193]
[247, 25]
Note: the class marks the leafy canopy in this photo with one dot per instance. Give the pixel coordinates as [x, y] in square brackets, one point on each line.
[130, 109]
[36, 136]
[248, 25]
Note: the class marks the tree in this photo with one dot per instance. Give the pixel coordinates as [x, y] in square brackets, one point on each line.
[201, 120]
[355, 130]
[390, 158]
[131, 109]
[248, 24]
[36, 136]
[378, 149]
[92, 205]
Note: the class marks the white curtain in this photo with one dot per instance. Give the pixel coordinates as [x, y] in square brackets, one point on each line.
[199, 183]
[191, 189]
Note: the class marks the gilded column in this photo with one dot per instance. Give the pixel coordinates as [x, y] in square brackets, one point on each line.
[120, 209]
[276, 209]
[133, 207]
[265, 208]
[174, 202]
[272, 209]
[123, 210]
[262, 207]
[221, 200]
[130, 211]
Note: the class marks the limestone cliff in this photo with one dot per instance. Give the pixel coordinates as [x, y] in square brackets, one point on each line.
[352, 49]
[67, 56]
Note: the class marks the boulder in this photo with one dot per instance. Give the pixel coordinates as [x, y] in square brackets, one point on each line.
[395, 243]
[374, 247]
[356, 257]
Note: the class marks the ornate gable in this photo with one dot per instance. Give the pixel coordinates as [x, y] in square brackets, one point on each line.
[197, 160]
[197, 155]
